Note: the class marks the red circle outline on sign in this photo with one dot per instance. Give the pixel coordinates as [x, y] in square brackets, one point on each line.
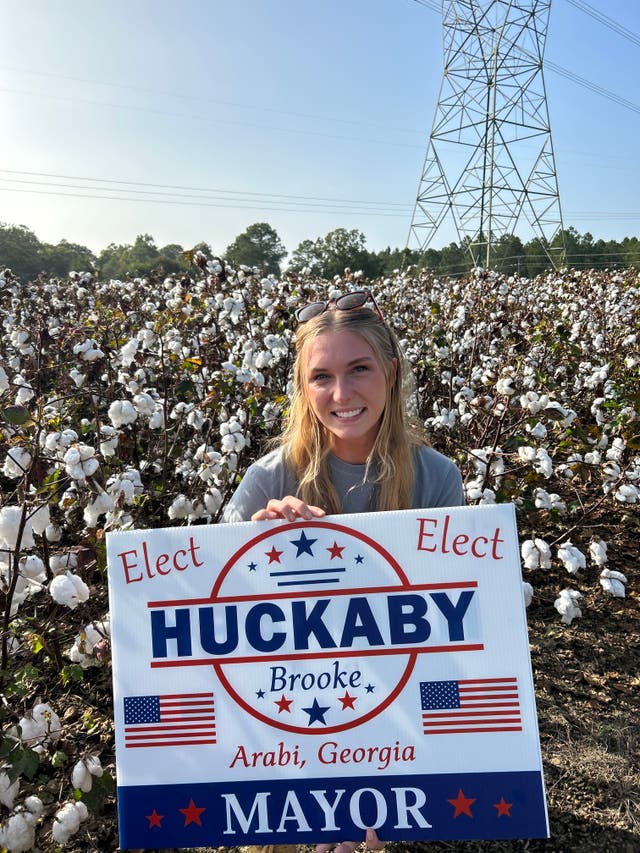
[404, 584]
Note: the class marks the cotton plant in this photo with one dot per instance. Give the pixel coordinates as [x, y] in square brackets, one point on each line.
[90, 646]
[18, 832]
[613, 583]
[567, 605]
[84, 772]
[571, 557]
[40, 727]
[69, 590]
[67, 820]
[536, 554]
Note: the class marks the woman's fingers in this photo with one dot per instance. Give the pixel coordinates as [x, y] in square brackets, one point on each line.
[372, 841]
[290, 508]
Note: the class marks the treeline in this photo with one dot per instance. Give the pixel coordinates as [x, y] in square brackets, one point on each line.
[260, 246]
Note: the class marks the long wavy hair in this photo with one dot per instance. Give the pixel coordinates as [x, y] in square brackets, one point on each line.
[307, 443]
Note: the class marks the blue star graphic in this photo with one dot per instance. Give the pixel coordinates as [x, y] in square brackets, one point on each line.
[303, 544]
[252, 567]
[316, 713]
[260, 694]
[359, 559]
[370, 688]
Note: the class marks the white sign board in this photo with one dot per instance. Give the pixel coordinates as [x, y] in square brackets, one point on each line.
[298, 682]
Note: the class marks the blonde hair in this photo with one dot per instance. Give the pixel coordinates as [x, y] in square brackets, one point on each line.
[307, 442]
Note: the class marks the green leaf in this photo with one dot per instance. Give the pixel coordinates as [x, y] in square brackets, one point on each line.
[103, 787]
[16, 415]
[71, 672]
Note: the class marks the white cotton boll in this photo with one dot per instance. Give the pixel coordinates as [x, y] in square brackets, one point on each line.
[69, 590]
[196, 419]
[527, 592]
[128, 352]
[598, 552]
[538, 431]
[94, 766]
[102, 504]
[543, 464]
[144, 404]
[616, 451]
[4, 380]
[613, 583]
[67, 821]
[16, 463]
[78, 377]
[32, 568]
[18, 834]
[536, 554]
[593, 457]
[41, 519]
[526, 454]
[212, 501]
[80, 461]
[567, 605]
[627, 494]
[571, 557]
[8, 790]
[10, 521]
[40, 727]
[182, 507]
[488, 497]
[109, 438]
[59, 563]
[504, 386]
[81, 778]
[34, 805]
[121, 413]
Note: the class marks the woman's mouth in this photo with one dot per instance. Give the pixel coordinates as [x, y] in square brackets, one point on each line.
[351, 413]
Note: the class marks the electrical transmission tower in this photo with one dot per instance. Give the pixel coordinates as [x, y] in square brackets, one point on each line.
[490, 164]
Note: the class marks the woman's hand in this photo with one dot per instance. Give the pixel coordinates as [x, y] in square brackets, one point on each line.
[372, 841]
[289, 508]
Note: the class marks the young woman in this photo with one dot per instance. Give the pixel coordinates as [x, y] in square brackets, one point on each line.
[348, 444]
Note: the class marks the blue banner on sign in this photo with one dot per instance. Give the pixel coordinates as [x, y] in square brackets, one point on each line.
[460, 806]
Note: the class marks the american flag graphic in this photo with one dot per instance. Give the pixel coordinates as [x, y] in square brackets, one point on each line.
[470, 705]
[175, 719]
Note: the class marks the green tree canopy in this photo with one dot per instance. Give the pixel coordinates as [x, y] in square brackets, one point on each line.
[258, 246]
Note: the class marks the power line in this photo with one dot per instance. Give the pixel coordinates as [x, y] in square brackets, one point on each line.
[209, 118]
[271, 196]
[606, 21]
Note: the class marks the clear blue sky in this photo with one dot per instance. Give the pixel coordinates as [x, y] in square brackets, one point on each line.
[244, 104]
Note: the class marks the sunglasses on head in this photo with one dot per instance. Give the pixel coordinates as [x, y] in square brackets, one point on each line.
[346, 302]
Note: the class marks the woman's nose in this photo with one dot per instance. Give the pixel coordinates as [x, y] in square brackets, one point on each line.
[341, 389]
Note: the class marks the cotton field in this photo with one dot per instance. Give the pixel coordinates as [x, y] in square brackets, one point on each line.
[141, 403]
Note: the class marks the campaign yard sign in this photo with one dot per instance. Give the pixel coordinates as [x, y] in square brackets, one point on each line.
[299, 682]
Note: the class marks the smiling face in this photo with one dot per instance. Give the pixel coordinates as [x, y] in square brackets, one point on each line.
[347, 390]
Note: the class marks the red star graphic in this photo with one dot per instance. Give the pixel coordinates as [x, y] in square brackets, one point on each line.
[462, 804]
[336, 551]
[503, 808]
[347, 701]
[154, 819]
[192, 814]
[273, 555]
[284, 704]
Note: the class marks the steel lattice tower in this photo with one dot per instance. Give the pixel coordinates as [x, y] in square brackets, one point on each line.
[490, 163]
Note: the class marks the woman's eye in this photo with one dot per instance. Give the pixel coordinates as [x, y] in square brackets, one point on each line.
[319, 377]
